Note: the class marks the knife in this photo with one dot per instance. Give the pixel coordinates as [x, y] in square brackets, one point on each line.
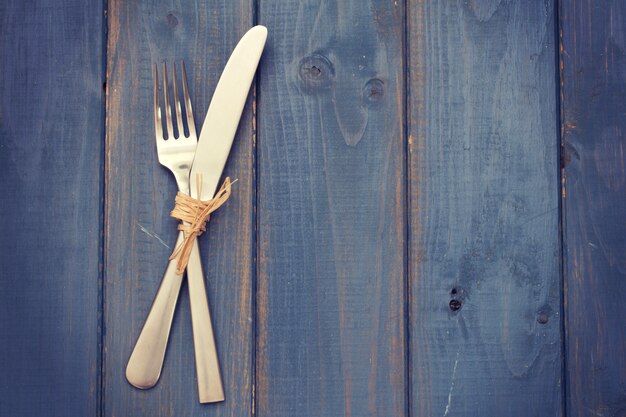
[216, 138]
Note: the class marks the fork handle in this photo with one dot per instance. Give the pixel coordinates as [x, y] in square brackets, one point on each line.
[146, 361]
[210, 387]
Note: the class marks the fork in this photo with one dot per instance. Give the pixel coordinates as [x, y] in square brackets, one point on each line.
[146, 361]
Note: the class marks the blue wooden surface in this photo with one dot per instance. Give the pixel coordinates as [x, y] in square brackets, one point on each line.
[401, 241]
[484, 196]
[593, 99]
[51, 137]
[331, 211]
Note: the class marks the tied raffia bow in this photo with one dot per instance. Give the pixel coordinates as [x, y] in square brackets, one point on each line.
[194, 214]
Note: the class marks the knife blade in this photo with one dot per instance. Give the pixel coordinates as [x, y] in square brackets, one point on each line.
[216, 138]
[222, 118]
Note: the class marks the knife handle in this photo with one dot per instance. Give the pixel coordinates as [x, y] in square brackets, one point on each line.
[210, 387]
[146, 361]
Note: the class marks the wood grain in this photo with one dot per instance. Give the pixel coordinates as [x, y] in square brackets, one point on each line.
[593, 62]
[383, 274]
[484, 209]
[139, 196]
[51, 141]
[331, 211]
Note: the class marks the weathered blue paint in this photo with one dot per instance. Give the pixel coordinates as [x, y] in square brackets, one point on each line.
[405, 255]
[484, 202]
[594, 139]
[331, 211]
[51, 141]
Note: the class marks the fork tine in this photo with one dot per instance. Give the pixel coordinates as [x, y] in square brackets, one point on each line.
[166, 105]
[158, 127]
[179, 116]
[190, 123]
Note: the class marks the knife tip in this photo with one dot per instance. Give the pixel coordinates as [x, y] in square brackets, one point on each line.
[259, 30]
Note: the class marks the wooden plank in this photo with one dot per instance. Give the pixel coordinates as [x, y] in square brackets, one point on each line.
[51, 137]
[593, 76]
[139, 196]
[484, 218]
[331, 211]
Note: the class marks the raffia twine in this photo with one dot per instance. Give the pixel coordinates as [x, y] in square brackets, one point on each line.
[194, 214]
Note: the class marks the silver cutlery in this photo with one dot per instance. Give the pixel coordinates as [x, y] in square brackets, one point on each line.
[176, 154]
[211, 152]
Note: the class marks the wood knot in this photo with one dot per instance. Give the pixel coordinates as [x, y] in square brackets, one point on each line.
[455, 305]
[316, 72]
[172, 20]
[457, 297]
[374, 91]
[544, 313]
